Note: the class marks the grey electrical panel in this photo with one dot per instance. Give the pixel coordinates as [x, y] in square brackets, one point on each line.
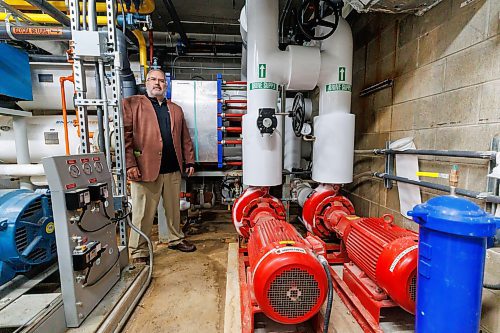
[88, 256]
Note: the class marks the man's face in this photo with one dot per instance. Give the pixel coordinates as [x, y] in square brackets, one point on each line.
[155, 84]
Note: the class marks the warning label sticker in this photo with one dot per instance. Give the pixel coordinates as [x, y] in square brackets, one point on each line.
[290, 249]
[37, 31]
[338, 87]
[400, 256]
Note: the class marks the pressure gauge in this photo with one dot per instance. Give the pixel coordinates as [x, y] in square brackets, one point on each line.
[98, 166]
[87, 168]
[74, 171]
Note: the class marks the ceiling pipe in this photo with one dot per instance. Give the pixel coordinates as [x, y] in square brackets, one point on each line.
[45, 18]
[173, 13]
[14, 11]
[147, 6]
[51, 11]
[35, 33]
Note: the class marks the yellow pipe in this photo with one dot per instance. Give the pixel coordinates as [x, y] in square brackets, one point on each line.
[143, 52]
[44, 18]
[147, 7]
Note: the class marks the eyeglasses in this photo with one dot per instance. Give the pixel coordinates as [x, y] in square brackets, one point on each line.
[154, 79]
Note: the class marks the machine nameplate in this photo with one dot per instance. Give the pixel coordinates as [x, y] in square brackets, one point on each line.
[400, 256]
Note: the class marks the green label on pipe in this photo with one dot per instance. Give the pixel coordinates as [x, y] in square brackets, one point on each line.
[262, 71]
[338, 87]
[263, 85]
[342, 73]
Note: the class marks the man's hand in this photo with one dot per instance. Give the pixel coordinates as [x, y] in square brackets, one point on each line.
[133, 174]
[189, 171]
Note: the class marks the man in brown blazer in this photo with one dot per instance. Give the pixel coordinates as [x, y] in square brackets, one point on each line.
[157, 147]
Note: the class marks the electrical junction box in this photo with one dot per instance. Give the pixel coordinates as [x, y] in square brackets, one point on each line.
[90, 44]
[77, 199]
[98, 192]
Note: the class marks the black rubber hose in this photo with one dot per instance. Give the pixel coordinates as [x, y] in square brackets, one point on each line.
[282, 19]
[328, 312]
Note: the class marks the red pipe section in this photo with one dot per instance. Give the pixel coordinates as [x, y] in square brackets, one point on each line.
[230, 142]
[234, 163]
[235, 82]
[230, 129]
[236, 107]
[235, 101]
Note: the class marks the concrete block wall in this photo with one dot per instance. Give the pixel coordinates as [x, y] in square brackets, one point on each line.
[199, 68]
[446, 94]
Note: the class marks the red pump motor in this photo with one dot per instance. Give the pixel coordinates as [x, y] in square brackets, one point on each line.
[378, 249]
[386, 253]
[289, 283]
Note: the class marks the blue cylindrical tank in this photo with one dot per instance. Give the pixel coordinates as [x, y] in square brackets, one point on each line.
[452, 246]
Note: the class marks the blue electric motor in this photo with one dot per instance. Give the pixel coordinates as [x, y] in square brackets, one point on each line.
[452, 246]
[27, 235]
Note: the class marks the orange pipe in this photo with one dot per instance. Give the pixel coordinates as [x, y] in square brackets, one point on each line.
[62, 80]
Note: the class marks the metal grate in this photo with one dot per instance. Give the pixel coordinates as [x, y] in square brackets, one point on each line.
[293, 293]
[412, 288]
[32, 209]
[53, 248]
[21, 239]
[38, 255]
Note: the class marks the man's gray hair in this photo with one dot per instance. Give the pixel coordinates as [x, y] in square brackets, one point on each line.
[155, 70]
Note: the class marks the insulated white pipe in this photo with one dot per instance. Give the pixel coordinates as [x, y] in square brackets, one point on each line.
[262, 154]
[333, 152]
[22, 147]
[267, 68]
[292, 154]
[21, 170]
[335, 80]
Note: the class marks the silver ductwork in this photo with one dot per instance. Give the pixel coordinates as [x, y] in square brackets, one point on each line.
[417, 7]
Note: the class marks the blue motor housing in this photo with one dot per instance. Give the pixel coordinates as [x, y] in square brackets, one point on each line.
[27, 235]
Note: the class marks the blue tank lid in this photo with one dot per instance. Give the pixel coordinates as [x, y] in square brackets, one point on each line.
[455, 215]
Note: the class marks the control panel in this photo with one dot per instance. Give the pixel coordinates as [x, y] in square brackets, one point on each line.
[85, 225]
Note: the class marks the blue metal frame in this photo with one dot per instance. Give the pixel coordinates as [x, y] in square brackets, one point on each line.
[220, 149]
[169, 86]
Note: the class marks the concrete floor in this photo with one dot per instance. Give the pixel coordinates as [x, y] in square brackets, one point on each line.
[188, 290]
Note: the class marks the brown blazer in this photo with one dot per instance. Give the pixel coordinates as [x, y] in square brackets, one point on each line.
[143, 143]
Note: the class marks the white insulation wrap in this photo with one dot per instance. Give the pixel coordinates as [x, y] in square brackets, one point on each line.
[261, 154]
[293, 145]
[45, 137]
[333, 153]
[302, 77]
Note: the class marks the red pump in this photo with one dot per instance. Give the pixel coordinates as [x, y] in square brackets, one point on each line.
[383, 257]
[283, 278]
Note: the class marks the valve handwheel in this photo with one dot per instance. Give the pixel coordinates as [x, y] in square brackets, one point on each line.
[298, 114]
[310, 16]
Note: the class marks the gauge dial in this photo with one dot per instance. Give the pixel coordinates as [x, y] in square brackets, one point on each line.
[74, 171]
[87, 168]
[98, 166]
